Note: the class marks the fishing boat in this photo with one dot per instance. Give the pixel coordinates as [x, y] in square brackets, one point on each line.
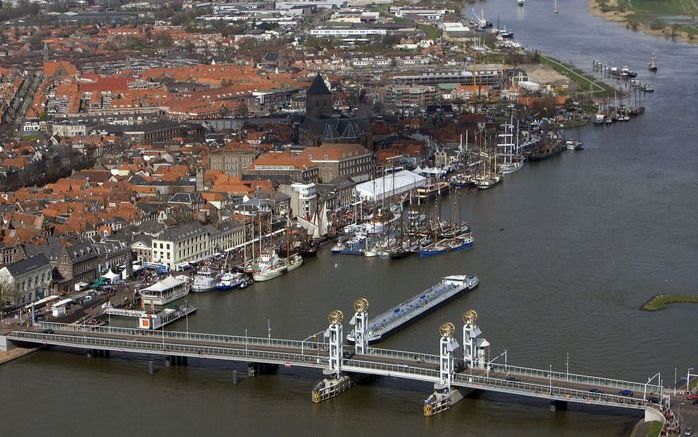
[652, 65]
[268, 266]
[521, 2]
[204, 280]
[229, 281]
[556, 8]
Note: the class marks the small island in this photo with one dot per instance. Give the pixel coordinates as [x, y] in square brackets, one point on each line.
[675, 19]
[661, 301]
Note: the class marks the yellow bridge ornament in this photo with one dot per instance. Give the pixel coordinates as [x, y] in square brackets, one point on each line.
[360, 305]
[335, 317]
[470, 317]
[447, 329]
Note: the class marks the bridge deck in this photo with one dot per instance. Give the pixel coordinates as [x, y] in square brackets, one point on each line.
[409, 365]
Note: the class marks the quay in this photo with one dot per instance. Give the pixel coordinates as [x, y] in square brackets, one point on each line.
[341, 363]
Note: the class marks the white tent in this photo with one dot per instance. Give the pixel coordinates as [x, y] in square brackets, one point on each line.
[396, 184]
[110, 276]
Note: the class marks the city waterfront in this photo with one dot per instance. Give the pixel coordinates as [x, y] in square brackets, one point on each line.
[567, 250]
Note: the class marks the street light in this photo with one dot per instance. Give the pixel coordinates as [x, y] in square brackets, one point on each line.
[644, 394]
[688, 380]
[550, 377]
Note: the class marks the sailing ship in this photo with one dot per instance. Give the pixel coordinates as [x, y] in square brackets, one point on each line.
[508, 151]
[268, 266]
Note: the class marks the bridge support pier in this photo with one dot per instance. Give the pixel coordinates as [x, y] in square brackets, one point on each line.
[330, 387]
[151, 367]
[441, 400]
[262, 369]
[558, 405]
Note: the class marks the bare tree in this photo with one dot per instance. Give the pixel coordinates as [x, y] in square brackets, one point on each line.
[9, 295]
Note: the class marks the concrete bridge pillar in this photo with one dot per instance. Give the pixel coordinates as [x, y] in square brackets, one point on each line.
[444, 396]
[558, 406]
[334, 383]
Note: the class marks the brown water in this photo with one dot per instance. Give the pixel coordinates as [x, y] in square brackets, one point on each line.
[567, 251]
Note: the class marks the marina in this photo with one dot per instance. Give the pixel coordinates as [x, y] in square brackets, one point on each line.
[396, 317]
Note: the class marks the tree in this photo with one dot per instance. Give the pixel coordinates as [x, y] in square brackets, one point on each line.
[9, 295]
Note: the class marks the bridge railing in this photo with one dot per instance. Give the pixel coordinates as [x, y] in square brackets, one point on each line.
[576, 378]
[400, 355]
[186, 336]
[395, 369]
[167, 348]
[548, 391]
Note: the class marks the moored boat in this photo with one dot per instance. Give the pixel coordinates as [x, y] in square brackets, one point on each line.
[204, 280]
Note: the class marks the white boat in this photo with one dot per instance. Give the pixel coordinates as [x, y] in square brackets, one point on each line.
[268, 266]
[521, 2]
[556, 8]
[230, 280]
[165, 291]
[294, 261]
[204, 280]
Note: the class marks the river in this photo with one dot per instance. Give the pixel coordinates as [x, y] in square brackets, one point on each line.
[567, 251]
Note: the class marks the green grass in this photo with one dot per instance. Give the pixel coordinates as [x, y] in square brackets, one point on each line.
[582, 80]
[431, 32]
[654, 428]
[660, 301]
[672, 16]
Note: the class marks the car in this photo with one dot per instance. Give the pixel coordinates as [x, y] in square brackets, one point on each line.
[689, 431]
[47, 331]
[512, 378]
[692, 397]
[653, 399]
[595, 390]
[625, 392]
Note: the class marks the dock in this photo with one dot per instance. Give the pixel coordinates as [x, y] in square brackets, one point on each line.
[415, 306]
[149, 320]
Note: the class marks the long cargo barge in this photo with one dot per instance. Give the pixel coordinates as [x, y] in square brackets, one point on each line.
[408, 310]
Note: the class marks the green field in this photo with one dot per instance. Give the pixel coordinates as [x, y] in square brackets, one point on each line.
[654, 429]
[582, 81]
[670, 16]
[661, 301]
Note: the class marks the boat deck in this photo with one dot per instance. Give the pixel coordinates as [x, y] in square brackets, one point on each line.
[416, 305]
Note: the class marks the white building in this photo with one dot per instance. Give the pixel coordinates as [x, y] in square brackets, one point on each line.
[31, 279]
[188, 242]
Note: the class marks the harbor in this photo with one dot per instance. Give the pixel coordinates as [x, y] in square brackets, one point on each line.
[568, 249]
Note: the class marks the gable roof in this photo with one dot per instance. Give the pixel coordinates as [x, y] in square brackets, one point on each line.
[26, 265]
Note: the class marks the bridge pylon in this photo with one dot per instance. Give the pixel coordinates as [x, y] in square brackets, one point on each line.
[444, 395]
[474, 345]
[335, 382]
[360, 322]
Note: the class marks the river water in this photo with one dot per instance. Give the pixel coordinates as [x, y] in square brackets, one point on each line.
[567, 251]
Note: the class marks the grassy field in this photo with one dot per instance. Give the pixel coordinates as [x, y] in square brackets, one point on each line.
[654, 428]
[582, 81]
[670, 17]
[661, 301]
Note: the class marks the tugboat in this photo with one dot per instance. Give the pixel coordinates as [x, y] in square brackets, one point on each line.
[204, 280]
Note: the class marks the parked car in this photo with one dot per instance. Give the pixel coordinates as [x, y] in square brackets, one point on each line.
[692, 397]
[595, 390]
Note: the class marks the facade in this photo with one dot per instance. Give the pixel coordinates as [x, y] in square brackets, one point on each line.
[336, 160]
[233, 159]
[188, 242]
[297, 168]
[400, 96]
[227, 236]
[10, 254]
[31, 279]
[77, 263]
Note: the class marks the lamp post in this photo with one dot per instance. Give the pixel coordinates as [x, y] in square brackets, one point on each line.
[550, 378]
[567, 366]
[245, 341]
[688, 380]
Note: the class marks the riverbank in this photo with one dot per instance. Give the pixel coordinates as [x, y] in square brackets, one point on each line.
[652, 22]
[660, 301]
[14, 353]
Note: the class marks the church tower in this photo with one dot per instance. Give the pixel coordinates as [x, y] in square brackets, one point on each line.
[319, 101]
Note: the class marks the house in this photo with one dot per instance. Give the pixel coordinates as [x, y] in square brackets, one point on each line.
[188, 242]
[340, 159]
[78, 262]
[31, 279]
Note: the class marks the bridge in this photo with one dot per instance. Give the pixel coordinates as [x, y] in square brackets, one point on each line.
[342, 363]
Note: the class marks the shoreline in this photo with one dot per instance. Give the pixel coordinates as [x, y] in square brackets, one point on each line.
[622, 18]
